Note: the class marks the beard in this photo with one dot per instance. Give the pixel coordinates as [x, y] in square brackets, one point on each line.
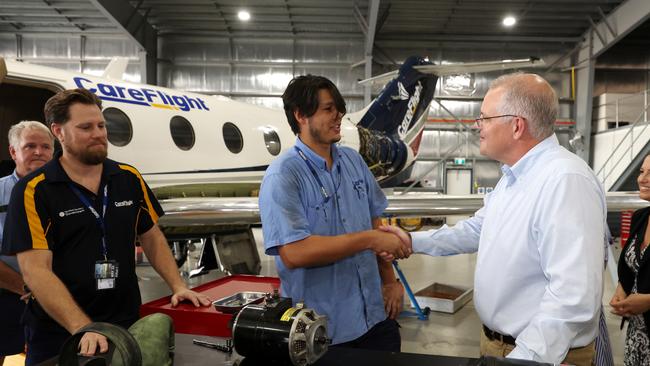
[87, 156]
[317, 136]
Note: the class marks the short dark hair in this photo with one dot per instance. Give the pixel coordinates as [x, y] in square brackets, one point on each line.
[302, 95]
[57, 108]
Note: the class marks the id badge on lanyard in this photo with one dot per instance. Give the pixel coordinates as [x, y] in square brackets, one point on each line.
[106, 271]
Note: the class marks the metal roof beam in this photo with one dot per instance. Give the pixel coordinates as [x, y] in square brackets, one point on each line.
[136, 27]
[626, 17]
[475, 38]
[49, 4]
[373, 12]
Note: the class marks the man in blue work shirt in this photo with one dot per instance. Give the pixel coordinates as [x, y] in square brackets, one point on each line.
[30, 145]
[318, 203]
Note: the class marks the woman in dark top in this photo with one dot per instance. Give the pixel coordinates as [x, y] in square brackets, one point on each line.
[632, 296]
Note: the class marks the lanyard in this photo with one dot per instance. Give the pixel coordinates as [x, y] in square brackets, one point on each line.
[323, 191]
[98, 217]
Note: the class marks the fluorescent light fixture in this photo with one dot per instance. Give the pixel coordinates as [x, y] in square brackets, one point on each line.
[244, 15]
[509, 21]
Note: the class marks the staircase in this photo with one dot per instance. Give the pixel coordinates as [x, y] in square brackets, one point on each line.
[618, 152]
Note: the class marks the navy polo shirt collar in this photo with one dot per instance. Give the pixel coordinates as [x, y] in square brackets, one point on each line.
[55, 172]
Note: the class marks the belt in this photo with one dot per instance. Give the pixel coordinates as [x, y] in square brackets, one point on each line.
[496, 336]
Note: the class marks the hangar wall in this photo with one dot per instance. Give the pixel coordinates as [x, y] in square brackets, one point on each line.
[258, 71]
[89, 54]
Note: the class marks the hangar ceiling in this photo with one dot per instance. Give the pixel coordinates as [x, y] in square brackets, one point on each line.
[456, 30]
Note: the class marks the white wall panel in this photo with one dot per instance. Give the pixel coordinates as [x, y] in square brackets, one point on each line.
[183, 49]
[329, 51]
[51, 47]
[199, 78]
[262, 79]
[7, 45]
[65, 52]
[101, 48]
[271, 51]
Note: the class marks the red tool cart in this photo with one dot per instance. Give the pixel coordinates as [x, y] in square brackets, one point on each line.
[207, 320]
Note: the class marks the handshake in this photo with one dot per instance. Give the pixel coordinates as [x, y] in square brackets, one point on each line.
[390, 243]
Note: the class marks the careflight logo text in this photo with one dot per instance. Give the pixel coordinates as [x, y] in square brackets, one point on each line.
[141, 96]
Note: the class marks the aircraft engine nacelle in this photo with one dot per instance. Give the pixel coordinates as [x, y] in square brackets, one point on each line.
[385, 155]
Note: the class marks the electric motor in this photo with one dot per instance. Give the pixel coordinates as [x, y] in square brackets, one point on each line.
[276, 330]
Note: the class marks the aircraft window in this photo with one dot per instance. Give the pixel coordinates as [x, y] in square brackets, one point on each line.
[118, 126]
[182, 132]
[272, 141]
[233, 138]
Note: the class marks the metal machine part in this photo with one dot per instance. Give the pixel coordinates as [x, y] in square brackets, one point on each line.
[384, 154]
[227, 348]
[233, 303]
[277, 331]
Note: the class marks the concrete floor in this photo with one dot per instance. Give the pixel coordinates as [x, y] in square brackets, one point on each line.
[442, 334]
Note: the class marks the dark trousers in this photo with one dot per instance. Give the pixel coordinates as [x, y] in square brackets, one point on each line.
[43, 345]
[384, 336]
[11, 329]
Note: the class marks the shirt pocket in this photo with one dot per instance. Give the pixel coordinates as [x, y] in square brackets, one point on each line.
[319, 213]
[359, 188]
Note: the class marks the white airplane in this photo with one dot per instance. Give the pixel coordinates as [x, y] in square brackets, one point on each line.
[188, 144]
[180, 138]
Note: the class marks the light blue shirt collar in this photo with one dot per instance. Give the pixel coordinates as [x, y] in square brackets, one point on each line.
[316, 159]
[522, 166]
[15, 175]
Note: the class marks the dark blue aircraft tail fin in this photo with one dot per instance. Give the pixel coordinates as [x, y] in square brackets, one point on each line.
[402, 101]
[391, 121]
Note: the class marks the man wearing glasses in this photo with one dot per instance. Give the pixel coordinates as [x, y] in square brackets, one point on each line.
[539, 236]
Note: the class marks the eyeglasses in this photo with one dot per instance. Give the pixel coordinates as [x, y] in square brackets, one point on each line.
[479, 121]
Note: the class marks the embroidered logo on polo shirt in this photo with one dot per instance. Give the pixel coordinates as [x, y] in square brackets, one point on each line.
[71, 212]
[123, 203]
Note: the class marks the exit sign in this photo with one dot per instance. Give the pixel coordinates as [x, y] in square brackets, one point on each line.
[459, 161]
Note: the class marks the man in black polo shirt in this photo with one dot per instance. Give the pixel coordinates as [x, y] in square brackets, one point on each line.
[73, 224]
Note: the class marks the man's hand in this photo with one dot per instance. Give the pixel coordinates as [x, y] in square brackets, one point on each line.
[89, 342]
[386, 242]
[634, 304]
[185, 294]
[402, 235]
[393, 298]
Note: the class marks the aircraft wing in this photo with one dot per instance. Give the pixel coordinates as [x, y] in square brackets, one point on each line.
[245, 210]
[461, 68]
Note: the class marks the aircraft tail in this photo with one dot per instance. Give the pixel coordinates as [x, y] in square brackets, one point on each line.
[391, 129]
[116, 68]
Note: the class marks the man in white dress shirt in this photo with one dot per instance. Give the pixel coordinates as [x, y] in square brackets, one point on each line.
[539, 236]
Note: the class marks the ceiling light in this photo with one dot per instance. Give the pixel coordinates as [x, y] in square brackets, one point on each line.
[244, 15]
[509, 21]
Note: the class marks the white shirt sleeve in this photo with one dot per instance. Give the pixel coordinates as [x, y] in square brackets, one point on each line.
[461, 238]
[569, 229]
